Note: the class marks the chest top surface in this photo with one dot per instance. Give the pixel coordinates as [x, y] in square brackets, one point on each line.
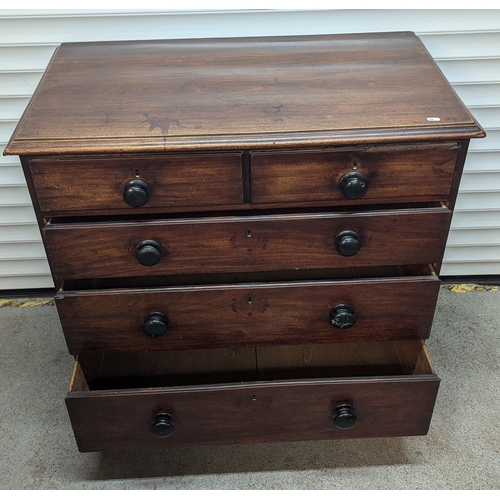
[220, 94]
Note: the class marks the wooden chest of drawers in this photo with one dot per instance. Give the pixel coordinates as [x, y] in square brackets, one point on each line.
[245, 234]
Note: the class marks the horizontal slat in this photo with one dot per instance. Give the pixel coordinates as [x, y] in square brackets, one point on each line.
[12, 176]
[472, 70]
[17, 215]
[480, 182]
[19, 233]
[6, 129]
[462, 45]
[25, 57]
[21, 251]
[18, 84]
[479, 94]
[7, 160]
[473, 254]
[488, 143]
[134, 26]
[470, 268]
[482, 161]
[473, 201]
[26, 282]
[487, 117]
[472, 237]
[11, 108]
[476, 220]
[24, 267]
[14, 196]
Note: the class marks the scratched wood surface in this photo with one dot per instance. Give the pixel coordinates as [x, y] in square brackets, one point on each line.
[248, 315]
[246, 244]
[247, 92]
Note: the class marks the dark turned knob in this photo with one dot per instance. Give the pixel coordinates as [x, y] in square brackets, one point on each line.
[344, 416]
[347, 243]
[136, 193]
[342, 316]
[161, 425]
[155, 324]
[353, 185]
[148, 252]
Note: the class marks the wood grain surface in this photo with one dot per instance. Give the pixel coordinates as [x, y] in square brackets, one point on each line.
[207, 94]
[248, 314]
[222, 244]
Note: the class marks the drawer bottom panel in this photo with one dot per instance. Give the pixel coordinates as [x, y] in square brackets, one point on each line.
[224, 396]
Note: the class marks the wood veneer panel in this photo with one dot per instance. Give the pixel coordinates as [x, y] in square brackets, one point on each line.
[95, 184]
[222, 244]
[393, 174]
[248, 314]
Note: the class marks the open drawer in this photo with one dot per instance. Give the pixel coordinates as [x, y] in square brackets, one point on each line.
[222, 396]
[339, 305]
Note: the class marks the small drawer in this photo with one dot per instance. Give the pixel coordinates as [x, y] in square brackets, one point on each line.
[397, 306]
[137, 184]
[247, 244]
[375, 174]
[211, 397]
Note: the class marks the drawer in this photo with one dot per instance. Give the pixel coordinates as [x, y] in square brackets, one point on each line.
[135, 184]
[211, 397]
[398, 306]
[247, 244]
[375, 174]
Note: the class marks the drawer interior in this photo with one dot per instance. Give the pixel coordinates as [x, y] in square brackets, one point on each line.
[347, 273]
[112, 371]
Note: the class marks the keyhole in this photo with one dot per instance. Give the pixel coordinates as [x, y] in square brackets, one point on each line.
[137, 172]
[249, 233]
[249, 299]
[355, 165]
[254, 397]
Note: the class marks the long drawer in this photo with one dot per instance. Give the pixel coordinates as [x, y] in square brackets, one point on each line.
[247, 244]
[374, 174]
[134, 184]
[399, 306]
[287, 393]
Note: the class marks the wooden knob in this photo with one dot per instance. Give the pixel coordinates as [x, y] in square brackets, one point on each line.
[342, 316]
[155, 324]
[162, 425]
[344, 416]
[136, 193]
[148, 252]
[353, 185]
[347, 243]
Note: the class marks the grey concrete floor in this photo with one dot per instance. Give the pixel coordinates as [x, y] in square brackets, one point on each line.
[461, 451]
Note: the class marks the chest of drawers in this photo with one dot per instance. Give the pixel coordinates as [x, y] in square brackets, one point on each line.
[245, 234]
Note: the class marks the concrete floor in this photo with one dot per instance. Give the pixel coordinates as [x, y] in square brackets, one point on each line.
[461, 451]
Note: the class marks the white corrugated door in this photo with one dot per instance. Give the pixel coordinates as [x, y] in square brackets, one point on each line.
[465, 43]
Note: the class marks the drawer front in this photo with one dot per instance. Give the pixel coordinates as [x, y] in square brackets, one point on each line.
[247, 244]
[373, 175]
[83, 185]
[296, 410]
[248, 315]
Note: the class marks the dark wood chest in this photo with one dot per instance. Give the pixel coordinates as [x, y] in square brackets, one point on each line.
[245, 234]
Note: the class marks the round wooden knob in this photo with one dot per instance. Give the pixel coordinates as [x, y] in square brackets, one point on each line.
[353, 185]
[162, 425]
[342, 316]
[136, 193]
[347, 243]
[148, 252]
[344, 416]
[155, 324]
